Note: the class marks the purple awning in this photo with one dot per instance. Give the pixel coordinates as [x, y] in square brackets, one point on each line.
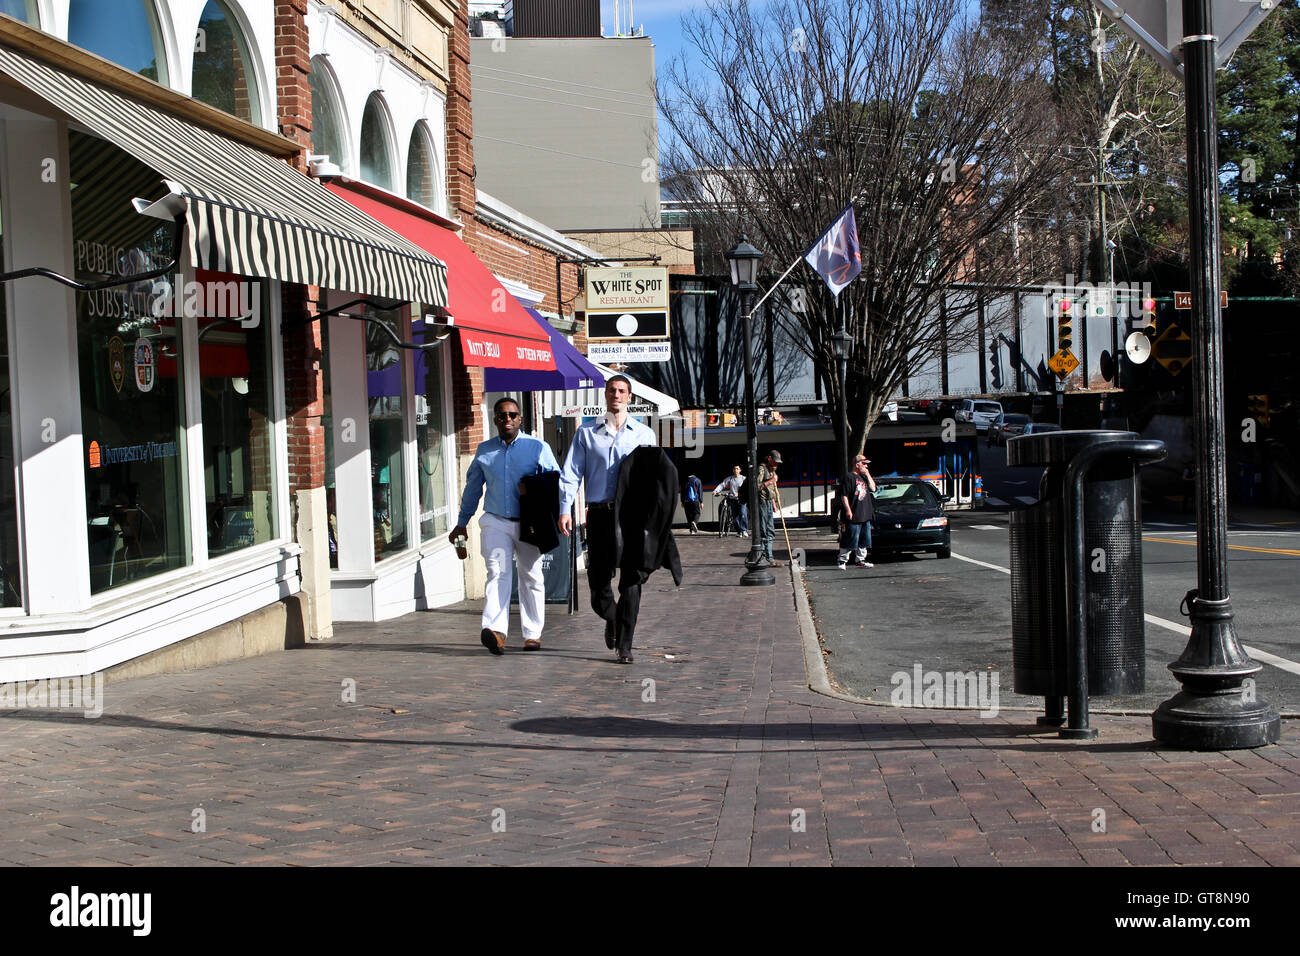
[572, 370]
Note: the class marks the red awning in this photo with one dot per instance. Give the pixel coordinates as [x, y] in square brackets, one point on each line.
[494, 329]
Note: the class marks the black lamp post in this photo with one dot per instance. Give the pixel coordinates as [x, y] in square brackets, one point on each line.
[743, 260]
[841, 342]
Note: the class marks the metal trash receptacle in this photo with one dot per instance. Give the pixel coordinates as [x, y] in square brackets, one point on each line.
[1113, 570]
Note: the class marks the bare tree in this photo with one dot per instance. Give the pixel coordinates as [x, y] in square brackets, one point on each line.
[905, 109]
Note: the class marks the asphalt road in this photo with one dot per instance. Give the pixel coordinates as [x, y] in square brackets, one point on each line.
[955, 614]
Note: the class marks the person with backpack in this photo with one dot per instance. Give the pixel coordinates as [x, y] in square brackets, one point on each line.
[691, 494]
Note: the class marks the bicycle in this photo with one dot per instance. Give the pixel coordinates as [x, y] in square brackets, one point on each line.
[728, 514]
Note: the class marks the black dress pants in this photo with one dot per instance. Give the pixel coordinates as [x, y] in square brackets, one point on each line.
[601, 568]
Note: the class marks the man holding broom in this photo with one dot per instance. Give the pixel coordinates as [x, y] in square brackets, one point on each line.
[767, 494]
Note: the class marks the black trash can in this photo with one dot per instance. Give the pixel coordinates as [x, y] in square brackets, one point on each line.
[1113, 570]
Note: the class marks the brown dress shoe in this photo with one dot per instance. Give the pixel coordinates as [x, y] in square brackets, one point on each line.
[532, 644]
[494, 641]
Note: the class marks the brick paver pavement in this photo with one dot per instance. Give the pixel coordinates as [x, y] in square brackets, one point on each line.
[710, 749]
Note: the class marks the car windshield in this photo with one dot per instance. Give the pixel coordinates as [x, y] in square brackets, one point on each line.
[904, 493]
[1017, 419]
[988, 407]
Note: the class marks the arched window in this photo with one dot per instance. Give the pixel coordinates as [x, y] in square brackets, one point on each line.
[223, 73]
[421, 168]
[328, 132]
[124, 31]
[24, 10]
[376, 145]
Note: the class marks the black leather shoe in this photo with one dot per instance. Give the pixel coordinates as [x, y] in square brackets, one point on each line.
[494, 642]
[624, 657]
[610, 634]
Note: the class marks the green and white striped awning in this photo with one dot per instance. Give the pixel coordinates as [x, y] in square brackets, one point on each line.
[247, 212]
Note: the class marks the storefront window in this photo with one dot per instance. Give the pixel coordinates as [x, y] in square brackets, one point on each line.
[327, 426]
[11, 594]
[420, 179]
[326, 119]
[221, 66]
[24, 10]
[430, 433]
[387, 436]
[238, 420]
[124, 31]
[130, 366]
[376, 145]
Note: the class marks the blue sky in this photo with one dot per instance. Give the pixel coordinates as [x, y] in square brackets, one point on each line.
[662, 20]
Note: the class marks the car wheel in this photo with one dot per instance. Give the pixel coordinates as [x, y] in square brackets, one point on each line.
[943, 553]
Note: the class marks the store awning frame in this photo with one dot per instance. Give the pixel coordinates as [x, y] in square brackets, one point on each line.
[249, 213]
[572, 369]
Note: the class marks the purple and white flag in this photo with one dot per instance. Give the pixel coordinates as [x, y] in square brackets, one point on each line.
[836, 254]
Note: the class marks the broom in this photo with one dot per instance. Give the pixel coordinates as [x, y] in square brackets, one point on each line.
[779, 510]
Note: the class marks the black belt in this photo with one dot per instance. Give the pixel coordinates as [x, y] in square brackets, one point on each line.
[605, 505]
[502, 517]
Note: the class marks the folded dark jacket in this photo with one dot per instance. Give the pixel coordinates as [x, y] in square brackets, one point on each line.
[644, 505]
[539, 510]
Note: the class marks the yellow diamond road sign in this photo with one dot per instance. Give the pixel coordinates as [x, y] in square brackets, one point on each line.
[1063, 363]
[1173, 349]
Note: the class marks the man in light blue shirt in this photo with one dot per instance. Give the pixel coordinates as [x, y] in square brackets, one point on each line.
[500, 464]
[598, 449]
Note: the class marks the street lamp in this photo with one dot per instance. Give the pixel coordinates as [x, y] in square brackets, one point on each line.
[743, 260]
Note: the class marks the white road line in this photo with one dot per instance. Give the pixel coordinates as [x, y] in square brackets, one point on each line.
[1163, 524]
[1264, 657]
[982, 564]
[988, 527]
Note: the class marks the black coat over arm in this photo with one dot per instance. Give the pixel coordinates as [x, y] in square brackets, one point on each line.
[644, 505]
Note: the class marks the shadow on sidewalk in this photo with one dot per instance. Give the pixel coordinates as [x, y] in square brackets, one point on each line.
[629, 728]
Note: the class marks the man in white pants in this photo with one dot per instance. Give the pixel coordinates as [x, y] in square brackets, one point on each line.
[500, 464]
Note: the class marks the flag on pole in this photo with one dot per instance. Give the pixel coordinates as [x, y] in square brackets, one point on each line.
[836, 254]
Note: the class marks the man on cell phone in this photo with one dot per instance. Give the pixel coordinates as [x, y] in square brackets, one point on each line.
[856, 509]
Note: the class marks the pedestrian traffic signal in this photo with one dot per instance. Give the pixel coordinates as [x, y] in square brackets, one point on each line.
[1149, 317]
[1064, 320]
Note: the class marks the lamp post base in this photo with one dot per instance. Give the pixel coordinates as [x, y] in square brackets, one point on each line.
[1218, 708]
[757, 574]
[1215, 720]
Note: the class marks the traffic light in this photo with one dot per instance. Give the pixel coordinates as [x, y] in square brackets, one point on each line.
[995, 364]
[1149, 317]
[1257, 408]
[1064, 320]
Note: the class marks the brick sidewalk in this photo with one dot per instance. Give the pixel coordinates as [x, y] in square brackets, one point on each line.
[731, 759]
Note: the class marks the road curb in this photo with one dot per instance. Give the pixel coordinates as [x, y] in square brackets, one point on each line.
[819, 678]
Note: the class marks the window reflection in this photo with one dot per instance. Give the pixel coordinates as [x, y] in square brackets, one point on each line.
[24, 10]
[376, 147]
[221, 74]
[10, 572]
[420, 169]
[130, 369]
[387, 435]
[430, 433]
[326, 123]
[238, 422]
[124, 31]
